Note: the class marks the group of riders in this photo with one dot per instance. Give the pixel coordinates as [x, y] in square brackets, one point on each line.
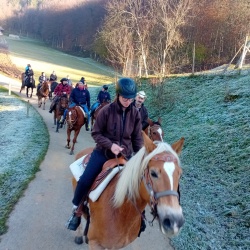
[80, 96]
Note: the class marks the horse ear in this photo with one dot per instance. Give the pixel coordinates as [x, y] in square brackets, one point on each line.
[150, 122]
[177, 146]
[148, 143]
[159, 120]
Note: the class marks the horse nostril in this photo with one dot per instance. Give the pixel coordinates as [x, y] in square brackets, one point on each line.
[167, 223]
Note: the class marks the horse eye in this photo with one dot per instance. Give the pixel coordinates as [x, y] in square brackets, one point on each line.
[154, 174]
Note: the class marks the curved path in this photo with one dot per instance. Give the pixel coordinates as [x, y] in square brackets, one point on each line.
[37, 221]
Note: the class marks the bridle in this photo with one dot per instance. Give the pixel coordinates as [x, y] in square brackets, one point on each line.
[154, 196]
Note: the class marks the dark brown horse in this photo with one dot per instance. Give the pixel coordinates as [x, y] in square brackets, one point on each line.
[150, 177]
[154, 130]
[96, 112]
[61, 105]
[43, 94]
[75, 120]
[30, 85]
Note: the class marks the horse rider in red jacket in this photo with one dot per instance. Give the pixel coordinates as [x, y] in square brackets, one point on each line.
[62, 89]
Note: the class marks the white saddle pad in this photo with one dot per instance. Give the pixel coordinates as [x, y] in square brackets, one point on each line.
[77, 170]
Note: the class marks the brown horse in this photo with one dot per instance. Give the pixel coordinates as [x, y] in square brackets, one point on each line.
[61, 105]
[154, 130]
[75, 120]
[150, 177]
[96, 112]
[43, 94]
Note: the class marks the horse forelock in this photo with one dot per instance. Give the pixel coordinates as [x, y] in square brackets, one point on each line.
[129, 180]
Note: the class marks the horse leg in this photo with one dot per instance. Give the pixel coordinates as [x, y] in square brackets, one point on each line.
[57, 124]
[79, 235]
[74, 141]
[54, 117]
[44, 100]
[68, 138]
[27, 92]
[31, 92]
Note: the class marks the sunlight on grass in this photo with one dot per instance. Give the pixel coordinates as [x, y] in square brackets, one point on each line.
[22, 53]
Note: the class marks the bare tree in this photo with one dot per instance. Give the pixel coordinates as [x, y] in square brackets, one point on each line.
[170, 16]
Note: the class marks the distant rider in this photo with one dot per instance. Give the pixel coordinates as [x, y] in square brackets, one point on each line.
[62, 89]
[79, 96]
[103, 96]
[139, 104]
[53, 76]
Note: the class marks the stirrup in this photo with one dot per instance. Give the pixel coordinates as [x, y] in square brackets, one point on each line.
[73, 222]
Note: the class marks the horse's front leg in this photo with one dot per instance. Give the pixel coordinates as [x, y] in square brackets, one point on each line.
[44, 100]
[74, 141]
[57, 123]
[68, 138]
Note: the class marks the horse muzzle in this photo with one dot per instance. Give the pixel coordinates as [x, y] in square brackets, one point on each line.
[171, 222]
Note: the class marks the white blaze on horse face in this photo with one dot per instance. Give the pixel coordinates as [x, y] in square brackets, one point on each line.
[169, 167]
[159, 130]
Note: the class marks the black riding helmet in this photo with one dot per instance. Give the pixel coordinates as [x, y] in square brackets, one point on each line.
[63, 79]
[105, 87]
[126, 87]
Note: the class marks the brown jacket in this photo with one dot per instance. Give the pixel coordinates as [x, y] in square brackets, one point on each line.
[113, 125]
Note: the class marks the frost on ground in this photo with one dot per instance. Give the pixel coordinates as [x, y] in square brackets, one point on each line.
[21, 149]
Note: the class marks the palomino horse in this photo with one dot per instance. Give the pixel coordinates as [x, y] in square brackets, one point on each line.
[96, 112]
[61, 105]
[150, 177]
[75, 120]
[43, 94]
[30, 84]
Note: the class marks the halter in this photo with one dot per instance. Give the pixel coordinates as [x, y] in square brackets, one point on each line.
[154, 196]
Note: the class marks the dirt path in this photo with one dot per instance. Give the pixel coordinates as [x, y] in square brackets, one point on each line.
[37, 222]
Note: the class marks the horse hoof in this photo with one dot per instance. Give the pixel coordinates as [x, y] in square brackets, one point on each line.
[71, 153]
[79, 240]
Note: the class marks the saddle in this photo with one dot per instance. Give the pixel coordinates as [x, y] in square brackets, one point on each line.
[77, 168]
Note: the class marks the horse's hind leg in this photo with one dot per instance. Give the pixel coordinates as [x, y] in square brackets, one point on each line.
[79, 235]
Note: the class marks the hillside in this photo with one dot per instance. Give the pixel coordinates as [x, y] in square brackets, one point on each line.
[212, 113]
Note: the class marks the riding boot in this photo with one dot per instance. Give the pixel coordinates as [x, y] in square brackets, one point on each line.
[75, 219]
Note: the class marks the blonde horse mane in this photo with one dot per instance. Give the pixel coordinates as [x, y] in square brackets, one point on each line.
[129, 179]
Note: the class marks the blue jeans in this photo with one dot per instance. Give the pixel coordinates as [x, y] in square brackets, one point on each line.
[85, 108]
[93, 168]
[94, 107]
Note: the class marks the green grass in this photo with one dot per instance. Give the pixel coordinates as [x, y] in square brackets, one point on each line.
[45, 59]
[20, 161]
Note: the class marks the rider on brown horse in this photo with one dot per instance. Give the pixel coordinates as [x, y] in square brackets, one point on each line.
[117, 130]
[62, 89]
[103, 96]
[79, 96]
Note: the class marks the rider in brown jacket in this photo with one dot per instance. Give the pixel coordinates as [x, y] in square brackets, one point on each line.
[117, 130]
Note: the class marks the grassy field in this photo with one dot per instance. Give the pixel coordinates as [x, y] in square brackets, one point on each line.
[45, 59]
[212, 113]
